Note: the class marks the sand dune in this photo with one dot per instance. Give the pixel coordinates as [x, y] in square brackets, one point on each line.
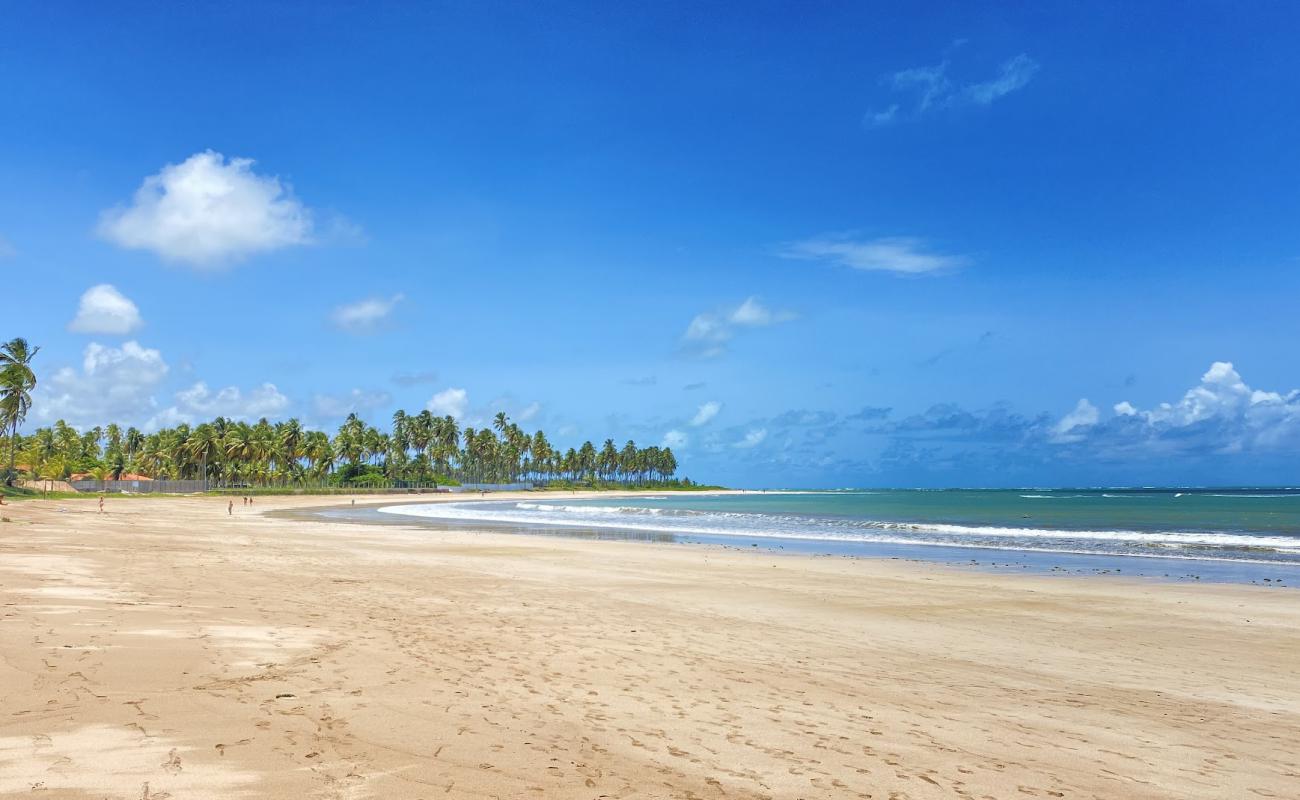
[166, 650]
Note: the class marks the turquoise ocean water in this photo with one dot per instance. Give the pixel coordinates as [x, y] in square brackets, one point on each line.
[1233, 534]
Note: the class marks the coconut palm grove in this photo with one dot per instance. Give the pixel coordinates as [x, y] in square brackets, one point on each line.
[416, 450]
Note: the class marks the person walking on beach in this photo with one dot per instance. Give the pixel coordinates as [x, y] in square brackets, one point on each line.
[101, 504]
[230, 508]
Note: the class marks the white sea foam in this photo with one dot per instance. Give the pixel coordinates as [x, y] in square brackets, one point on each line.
[1191, 544]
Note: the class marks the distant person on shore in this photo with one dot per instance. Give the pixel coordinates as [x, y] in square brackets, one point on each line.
[101, 504]
[230, 508]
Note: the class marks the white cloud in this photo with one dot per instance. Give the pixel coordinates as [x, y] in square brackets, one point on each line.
[706, 412]
[898, 254]
[1069, 429]
[1014, 74]
[752, 313]
[1221, 414]
[207, 211]
[198, 403]
[528, 412]
[675, 439]
[332, 406]
[104, 309]
[708, 332]
[113, 384]
[753, 438]
[449, 401]
[364, 315]
[931, 88]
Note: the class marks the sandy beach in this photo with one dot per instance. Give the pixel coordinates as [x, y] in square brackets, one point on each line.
[168, 650]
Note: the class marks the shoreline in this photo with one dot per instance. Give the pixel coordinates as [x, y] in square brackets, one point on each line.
[1057, 563]
[169, 647]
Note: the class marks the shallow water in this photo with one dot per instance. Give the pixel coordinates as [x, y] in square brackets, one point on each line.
[1246, 535]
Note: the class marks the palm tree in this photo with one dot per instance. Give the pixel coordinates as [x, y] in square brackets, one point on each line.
[16, 383]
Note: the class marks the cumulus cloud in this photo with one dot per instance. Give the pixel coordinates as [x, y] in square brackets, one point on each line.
[1221, 414]
[706, 412]
[358, 401]
[932, 88]
[104, 309]
[114, 383]
[449, 401]
[898, 254]
[708, 333]
[1072, 426]
[364, 316]
[675, 439]
[753, 438]
[199, 403]
[207, 211]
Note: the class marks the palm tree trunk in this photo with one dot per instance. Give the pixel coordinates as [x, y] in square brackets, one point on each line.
[13, 453]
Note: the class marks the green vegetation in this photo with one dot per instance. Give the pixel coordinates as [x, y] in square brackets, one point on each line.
[419, 450]
[16, 383]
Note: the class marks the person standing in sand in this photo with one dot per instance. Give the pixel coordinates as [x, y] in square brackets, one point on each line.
[230, 508]
[101, 504]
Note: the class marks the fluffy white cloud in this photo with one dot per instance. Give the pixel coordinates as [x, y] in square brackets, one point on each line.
[198, 403]
[931, 88]
[207, 211]
[104, 309]
[1221, 414]
[675, 439]
[332, 406]
[706, 412]
[708, 333]
[1069, 429]
[753, 438]
[114, 383]
[366, 315]
[899, 254]
[449, 401]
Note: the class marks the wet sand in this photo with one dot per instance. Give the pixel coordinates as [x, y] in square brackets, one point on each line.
[166, 649]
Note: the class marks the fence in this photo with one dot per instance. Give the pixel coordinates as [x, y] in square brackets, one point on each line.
[140, 487]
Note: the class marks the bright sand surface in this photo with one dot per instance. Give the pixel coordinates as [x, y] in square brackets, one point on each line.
[166, 650]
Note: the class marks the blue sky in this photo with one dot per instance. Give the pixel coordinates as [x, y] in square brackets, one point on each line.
[820, 246]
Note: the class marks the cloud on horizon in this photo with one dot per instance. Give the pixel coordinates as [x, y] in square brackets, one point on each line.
[198, 404]
[358, 401]
[207, 212]
[113, 384]
[449, 402]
